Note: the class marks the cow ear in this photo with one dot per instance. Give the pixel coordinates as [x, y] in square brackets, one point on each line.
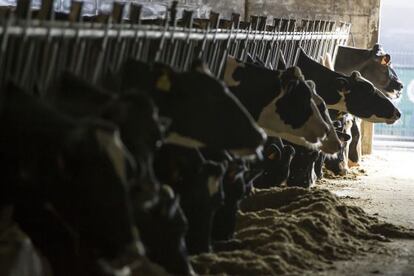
[294, 72]
[199, 66]
[376, 50]
[385, 59]
[343, 136]
[163, 81]
[342, 85]
[272, 152]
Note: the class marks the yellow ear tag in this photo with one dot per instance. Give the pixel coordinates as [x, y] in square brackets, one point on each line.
[163, 83]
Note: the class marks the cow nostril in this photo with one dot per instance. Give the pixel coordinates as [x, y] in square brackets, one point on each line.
[397, 114]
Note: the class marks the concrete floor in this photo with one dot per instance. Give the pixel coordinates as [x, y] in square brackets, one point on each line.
[386, 191]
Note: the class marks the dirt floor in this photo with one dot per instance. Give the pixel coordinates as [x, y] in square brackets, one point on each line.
[384, 187]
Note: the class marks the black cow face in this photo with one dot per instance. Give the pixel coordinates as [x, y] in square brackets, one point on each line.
[163, 230]
[302, 167]
[199, 105]
[199, 185]
[234, 187]
[366, 102]
[276, 165]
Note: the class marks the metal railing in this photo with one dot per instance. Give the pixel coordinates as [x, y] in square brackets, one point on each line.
[36, 47]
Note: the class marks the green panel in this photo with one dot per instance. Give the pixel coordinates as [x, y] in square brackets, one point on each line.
[405, 126]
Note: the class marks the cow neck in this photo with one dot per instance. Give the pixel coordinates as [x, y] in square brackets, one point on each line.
[324, 78]
[258, 88]
[350, 59]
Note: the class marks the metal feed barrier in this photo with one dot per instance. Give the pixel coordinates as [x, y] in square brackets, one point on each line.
[37, 45]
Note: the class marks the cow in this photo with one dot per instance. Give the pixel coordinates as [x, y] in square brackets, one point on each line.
[373, 64]
[199, 105]
[137, 117]
[54, 162]
[234, 189]
[163, 229]
[354, 155]
[198, 182]
[276, 165]
[302, 172]
[280, 101]
[331, 144]
[339, 164]
[134, 113]
[352, 94]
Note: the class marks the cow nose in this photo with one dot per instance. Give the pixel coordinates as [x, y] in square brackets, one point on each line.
[397, 114]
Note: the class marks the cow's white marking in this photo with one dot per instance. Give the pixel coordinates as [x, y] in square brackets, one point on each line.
[312, 130]
[213, 185]
[175, 138]
[114, 148]
[231, 66]
[340, 105]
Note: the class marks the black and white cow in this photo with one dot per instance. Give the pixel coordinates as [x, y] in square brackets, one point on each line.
[339, 163]
[276, 165]
[280, 101]
[234, 188]
[135, 115]
[50, 161]
[302, 172]
[163, 229]
[373, 64]
[352, 94]
[199, 184]
[200, 107]
[331, 144]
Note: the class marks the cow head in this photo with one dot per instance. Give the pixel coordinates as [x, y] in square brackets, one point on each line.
[163, 229]
[133, 112]
[365, 101]
[199, 184]
[302, 167]
[280, 101]
[77, 168]
[276, 165]
[95, 166]
[234, 187]
[373, 64]
[199, 105]
[352, 94]
[338, 164]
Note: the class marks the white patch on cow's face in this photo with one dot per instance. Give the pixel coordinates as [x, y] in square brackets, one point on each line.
[312, 131]
[340, 105]
[375, 119]
[175, 138]
[231, 67]
[213, 184]
[114, 148]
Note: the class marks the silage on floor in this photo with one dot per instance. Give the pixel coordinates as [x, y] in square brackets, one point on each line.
[290, 230]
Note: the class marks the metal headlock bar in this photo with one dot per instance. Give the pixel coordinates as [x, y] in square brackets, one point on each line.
[36, 46]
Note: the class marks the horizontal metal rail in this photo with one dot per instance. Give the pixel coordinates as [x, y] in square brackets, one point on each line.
[152, 32]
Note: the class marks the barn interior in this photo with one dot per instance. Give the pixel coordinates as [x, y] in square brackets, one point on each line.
[206, 137]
